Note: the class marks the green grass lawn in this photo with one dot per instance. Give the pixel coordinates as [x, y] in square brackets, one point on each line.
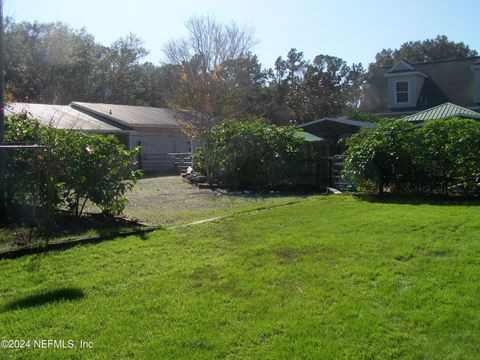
[327, 278]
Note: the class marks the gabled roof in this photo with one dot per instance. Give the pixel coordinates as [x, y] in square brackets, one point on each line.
[333, 127]
[134, 116]
[403, 68]
[450, 80]
[444, 111]
[62, 117]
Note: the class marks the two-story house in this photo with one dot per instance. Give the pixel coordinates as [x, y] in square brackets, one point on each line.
[406, 88]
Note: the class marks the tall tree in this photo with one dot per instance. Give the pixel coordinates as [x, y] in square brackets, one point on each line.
[328, 88]
[286, 74]
[53, 63]
[122, 61]
[49, 62]
[438, 48]
[207, 61]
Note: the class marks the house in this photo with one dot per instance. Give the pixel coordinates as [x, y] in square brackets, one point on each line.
[156, 130]
[407, 88]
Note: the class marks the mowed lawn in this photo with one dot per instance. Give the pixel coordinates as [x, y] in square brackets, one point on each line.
[326, 278]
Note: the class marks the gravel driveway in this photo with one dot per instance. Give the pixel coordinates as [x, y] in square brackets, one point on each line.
[168, 200]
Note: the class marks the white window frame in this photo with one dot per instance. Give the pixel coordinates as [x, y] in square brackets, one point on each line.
[402, 92]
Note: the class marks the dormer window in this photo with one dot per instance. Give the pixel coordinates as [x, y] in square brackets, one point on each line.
[404, 85]
[401, 92]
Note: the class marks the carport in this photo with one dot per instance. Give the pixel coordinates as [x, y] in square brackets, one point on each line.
[330, 155]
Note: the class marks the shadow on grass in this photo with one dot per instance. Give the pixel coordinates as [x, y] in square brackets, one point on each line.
[408, 199]
[66, 227]
[96, 224]
[54, 296]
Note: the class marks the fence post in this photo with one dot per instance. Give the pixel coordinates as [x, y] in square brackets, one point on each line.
[140, 157]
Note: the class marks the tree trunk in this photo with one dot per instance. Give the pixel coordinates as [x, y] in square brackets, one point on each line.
[380, 186]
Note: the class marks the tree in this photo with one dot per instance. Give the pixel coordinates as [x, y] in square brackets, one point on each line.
[207, 61]
[122, 61]
[212, 42]
[53, 63]
[438, 48]
[328, 88]
[49, 63]
[208, 79]
[286, 74]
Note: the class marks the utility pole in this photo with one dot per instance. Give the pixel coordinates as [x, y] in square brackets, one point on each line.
[2, 104]
[3, 155]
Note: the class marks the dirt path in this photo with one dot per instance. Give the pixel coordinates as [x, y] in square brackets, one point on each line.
[169, 201]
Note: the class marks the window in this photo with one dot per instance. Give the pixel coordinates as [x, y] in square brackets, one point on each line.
[401, 90]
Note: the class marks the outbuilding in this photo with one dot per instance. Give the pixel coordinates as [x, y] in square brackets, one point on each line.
[156, 130]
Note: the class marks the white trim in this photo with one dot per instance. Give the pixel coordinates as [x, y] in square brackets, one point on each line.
[406, 73]
[395, 94]
[402, 64]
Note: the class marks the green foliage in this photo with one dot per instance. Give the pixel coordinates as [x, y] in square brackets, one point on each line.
[439, 48]
[443, 155]
[252, 154]
[328, 87]
[53, 63]
[70, 170]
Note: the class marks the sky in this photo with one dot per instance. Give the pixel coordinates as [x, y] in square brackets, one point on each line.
[352, 30]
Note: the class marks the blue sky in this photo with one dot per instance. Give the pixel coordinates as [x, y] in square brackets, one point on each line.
[352, 30]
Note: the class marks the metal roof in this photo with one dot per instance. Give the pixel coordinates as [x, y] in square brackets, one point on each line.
[309, 137]
[444, 111]
[61, 117]
[134, 116]
[342, 121]
[335, 127]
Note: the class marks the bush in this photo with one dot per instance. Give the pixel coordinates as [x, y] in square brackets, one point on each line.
[441, 156]
[251, 155]
[72, 169]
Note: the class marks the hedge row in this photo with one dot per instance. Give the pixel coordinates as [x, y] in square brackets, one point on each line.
[250, 155]
[443, 156]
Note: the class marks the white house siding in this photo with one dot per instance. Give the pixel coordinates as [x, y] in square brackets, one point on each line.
[156, 145]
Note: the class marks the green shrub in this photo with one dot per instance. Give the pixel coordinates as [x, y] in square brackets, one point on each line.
[251, 155]
[441, 156]
[70, 170]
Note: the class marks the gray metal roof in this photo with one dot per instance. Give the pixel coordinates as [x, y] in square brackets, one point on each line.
[61, 117]
[343, 121]
[444, 111]
[134, 116]
[334, 127]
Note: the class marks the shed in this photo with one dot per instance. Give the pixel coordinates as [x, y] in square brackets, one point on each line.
[156, 130]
